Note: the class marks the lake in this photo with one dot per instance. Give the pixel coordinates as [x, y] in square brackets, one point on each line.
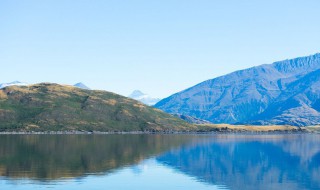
[211, 161]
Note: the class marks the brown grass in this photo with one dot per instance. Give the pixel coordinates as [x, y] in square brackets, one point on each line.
[110, 102]
[3, 95]
[141, 106]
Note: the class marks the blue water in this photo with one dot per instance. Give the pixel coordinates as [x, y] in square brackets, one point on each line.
[225, 161]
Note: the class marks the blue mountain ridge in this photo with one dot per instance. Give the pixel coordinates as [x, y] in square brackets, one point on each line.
[285, 92]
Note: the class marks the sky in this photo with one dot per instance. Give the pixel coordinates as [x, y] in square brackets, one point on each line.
[157, 46]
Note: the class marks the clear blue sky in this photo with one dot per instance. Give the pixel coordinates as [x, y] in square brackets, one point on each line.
[158, 46]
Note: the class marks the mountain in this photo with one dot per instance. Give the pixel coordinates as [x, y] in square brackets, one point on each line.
[144, 98]
[81, 85]
[17, 83]
[285, 92]
[53, 107]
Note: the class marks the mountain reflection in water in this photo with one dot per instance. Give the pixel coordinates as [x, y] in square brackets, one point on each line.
[251, 162]
[215, 161]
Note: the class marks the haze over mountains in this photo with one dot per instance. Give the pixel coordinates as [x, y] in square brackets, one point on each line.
[285, 92]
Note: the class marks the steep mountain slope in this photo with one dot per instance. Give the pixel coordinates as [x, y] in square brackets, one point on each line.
[260, 94]
[144, 98]
[53, 107]
[297, 105]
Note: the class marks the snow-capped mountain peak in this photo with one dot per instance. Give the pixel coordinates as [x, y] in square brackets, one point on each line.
[137, 94]
[144, 98]
[17, 83]
[81, 85]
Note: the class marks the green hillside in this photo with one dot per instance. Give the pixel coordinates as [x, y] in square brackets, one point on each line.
[53, 107]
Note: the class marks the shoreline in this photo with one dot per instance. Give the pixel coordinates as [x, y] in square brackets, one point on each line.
[157, 133]
[199, 129]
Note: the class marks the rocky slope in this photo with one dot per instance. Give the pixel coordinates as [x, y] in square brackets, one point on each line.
[191, 120]
[285, 92]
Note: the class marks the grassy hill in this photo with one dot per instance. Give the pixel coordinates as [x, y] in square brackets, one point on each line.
[53, 107]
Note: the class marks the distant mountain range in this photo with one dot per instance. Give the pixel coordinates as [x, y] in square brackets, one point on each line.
[144, 98]
[17, 83]
[285, 92]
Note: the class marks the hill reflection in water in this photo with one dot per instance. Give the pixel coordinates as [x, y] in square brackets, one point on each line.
[47, 157]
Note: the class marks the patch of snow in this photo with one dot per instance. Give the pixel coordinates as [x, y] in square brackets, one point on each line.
[14, 83]
[144, 98]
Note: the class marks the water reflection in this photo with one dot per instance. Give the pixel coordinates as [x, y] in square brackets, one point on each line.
[160, 161]
[62, 156]
[251, 162]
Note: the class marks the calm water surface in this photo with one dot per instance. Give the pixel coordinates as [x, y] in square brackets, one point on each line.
[225, 161]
